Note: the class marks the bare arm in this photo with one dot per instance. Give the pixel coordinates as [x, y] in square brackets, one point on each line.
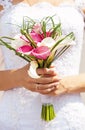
[1, 7]
[12, 78]
[7, 80]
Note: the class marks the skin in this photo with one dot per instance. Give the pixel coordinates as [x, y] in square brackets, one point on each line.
[1, 7]
[70, 84]
[2, 65]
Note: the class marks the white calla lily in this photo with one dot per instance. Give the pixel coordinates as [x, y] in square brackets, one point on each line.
[32, 70]
[18, 42]
[48, 41]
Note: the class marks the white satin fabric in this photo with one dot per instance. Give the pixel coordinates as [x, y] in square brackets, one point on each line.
[20, 108]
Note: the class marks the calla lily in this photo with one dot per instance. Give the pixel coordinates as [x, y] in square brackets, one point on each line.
[26, 49]
[48, 34]
[48, 41]
[41, 52]
[32, 70]
[36, 37]
[18, 42]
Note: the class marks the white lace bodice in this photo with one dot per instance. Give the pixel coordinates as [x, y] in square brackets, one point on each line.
[22, 106]
[80, 3]
[5, 3]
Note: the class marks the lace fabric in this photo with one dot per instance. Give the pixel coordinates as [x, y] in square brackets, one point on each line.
[80, 3]
[6, 3]
[19, 108]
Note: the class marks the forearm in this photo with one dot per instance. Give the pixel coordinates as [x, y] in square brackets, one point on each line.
[1, 7]
[8, 79]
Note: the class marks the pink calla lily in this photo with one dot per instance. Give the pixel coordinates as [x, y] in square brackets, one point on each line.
[48, 34]
[25, 49]
[36, 37]
[41, 52]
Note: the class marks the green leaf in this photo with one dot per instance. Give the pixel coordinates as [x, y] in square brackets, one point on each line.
[49, 59]
[56, 31]
[27, 23]
[27, 58]
[5, 37]
[62, 51]
[69, 36]
[44, 28]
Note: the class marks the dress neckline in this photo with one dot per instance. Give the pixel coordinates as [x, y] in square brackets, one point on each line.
[40, 4]
[43, 5]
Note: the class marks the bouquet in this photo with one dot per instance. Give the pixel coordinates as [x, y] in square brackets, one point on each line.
[40, 43]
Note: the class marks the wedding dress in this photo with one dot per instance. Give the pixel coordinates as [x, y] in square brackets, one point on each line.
[6, 3]
[20, 108]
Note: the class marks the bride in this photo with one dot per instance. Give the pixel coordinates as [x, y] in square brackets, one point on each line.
[20, 106]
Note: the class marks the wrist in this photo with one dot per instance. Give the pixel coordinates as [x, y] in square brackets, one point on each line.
[14, 78]
[74, 84]
[21, 76]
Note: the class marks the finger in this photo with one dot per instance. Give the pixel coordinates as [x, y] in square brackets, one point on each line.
[45, 80]
[46, 91]
[46, 71]
[47, 86]
[60, 90]
[37, 88]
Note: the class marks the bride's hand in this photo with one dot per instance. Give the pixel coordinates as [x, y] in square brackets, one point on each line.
[70, 84]
[45, 84]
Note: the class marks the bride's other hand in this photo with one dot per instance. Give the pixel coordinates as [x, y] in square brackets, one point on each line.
[70, 84]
